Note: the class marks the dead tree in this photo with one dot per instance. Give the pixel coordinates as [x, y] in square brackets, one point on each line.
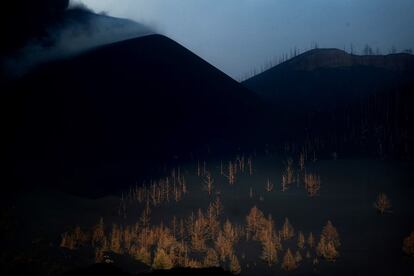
[208, 182]
[269, 186]
[312, 184]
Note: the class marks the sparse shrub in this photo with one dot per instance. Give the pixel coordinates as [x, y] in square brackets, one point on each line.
[99, 255]
[67, 241]
[408, 245]
[382, 204]
[192, 263]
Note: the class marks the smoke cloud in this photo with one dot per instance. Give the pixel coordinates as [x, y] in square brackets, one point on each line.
[52, 29]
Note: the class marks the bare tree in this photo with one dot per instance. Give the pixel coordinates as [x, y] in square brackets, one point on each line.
[302, 161]
[312, 184]
[208, 182]
[269, 186]
[231, 173]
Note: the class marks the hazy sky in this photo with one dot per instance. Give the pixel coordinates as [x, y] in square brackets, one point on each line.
[238, 35]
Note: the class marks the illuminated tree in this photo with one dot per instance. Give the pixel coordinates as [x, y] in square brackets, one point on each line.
[213, 224]
[287, 231]
[269, 186]
[330, 233]
[99, 255]
[302, 161]
[269, 252]
[326, 249]
[320, 248]
[289, 173]
[298, 257]
[234, 265]
[68, 241]
[198, 231]
[311, 240]
[230, 232]
[382, 204]
[330, 252]
[115, 239]
[223, 246]
[301, 240]
[143, 255]
[408, 245]
[289, 262]
[193, 263]
[254, 222]
[211, 259]
[312, 184]
[162, 260]
[208, 183]
[231, 173]
[98, 234]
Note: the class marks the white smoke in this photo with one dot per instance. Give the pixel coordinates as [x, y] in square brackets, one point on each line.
[81, 31]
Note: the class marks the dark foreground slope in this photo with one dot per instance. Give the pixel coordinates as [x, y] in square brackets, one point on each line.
[109, 270]
[329, 99]
[107, 115]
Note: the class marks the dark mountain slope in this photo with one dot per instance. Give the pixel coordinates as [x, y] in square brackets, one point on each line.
[326, 100]
[324, 78]
[107, 115]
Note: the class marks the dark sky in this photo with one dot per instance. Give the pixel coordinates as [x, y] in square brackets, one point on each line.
[239, 35]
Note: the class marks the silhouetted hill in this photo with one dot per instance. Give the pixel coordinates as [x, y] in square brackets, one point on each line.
[105, 116]
[332, 101]
[324, 78]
